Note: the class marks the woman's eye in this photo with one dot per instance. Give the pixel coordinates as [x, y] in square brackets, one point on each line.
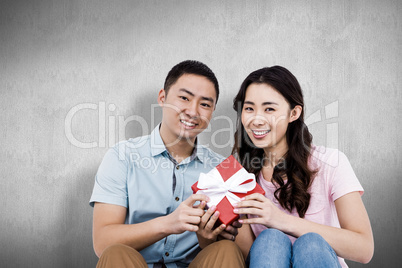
[248, 108]
[269, 109]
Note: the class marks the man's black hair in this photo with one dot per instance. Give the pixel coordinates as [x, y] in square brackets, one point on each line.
[190, 67]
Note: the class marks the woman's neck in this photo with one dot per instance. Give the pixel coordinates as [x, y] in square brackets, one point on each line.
[274, 155]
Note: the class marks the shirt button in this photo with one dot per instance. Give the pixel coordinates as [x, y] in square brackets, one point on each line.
[166, 254]
[177, 198]
[177, 167]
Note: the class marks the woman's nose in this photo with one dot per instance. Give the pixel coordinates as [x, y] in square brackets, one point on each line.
[259, 120]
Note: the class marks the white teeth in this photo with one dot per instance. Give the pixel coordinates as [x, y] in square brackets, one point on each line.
[187, 123]
[259, 133]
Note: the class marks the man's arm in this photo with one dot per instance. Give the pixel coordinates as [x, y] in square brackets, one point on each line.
[109, 227]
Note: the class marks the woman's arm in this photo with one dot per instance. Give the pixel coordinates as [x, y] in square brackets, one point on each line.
[353, 241]
[245, 239]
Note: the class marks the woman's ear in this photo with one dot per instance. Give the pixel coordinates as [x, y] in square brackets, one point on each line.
[161, 97]
[295, 113]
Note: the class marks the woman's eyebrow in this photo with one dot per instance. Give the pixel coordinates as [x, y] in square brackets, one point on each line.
[269, 103]
[264, 103]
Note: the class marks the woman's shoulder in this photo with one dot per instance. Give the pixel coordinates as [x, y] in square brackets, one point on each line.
[321, 155]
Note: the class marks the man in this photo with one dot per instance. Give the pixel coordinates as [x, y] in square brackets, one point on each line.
[145, 214]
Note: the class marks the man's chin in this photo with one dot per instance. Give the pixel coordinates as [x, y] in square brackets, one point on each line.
[189, 134]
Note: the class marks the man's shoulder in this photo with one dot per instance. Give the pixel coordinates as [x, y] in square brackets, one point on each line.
[140, 142]
[125, 148]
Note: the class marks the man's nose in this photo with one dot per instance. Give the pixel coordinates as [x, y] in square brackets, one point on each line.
[192, 109]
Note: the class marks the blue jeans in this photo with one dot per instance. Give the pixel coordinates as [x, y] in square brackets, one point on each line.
[273, 248]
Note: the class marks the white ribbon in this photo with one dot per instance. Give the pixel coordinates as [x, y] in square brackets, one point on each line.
[213, 185]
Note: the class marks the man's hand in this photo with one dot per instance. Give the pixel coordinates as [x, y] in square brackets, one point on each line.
[207, 234]
[187, 217]
[230, 231]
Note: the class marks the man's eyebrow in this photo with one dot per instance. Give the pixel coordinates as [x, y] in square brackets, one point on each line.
[208, 99]
[187, 91]
[192, 94]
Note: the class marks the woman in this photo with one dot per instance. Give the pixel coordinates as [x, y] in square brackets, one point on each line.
[312, 214]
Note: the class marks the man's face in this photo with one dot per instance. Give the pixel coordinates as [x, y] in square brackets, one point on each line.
[187, 108]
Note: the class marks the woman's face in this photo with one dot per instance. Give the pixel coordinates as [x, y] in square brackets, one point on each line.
[265, 117]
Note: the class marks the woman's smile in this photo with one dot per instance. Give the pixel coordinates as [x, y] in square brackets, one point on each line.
[259, 134]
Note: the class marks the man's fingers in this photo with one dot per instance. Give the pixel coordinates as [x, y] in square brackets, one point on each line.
[237, 224]
[191, 227]
[193, 220]
[212, 221]
[205, 218]
[232, 230]
[201, 205]
[194, 198]
[227, 235]
[218, 230]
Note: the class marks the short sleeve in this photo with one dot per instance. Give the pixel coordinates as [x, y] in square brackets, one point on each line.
[111, 180]
[343, 179]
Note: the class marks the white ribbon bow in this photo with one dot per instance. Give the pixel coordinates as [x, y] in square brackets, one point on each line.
[213, 185]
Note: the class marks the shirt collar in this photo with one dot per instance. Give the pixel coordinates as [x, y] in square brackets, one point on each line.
[158, 147]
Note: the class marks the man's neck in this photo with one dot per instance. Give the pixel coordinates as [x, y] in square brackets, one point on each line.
[181, 150]
[178, 147]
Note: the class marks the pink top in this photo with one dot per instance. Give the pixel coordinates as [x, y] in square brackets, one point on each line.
[335, 178]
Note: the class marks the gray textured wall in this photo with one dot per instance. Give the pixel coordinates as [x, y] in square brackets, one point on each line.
[73, 72]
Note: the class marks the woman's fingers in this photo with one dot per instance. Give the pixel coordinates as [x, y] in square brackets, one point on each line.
[249, 210]
[255, 196]
[250, 203]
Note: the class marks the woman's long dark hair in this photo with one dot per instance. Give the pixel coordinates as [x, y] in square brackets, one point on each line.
[294, 192]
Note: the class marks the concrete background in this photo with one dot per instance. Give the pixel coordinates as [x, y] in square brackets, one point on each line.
[77, 76]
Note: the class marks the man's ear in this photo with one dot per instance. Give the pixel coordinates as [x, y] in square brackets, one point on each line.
[295, 113]
[161, 97]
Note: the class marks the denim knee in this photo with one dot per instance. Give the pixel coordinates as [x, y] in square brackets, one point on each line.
[312, 250]
[310, 242]
[272, 248]
[269, 236]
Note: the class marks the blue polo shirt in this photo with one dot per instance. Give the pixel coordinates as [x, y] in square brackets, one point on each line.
[139, 174]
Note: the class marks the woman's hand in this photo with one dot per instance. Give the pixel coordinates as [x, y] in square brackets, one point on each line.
[258, 205]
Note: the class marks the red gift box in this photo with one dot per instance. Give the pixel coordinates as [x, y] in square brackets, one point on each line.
[227, 169]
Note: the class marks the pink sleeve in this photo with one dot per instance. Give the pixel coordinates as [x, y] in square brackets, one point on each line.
[343, 179]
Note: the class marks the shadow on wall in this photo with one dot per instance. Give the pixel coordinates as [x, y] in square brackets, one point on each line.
[75, 229]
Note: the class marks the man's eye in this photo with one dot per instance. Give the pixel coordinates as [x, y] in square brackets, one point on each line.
[184, 98]
[206, 105]
[269, 109]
